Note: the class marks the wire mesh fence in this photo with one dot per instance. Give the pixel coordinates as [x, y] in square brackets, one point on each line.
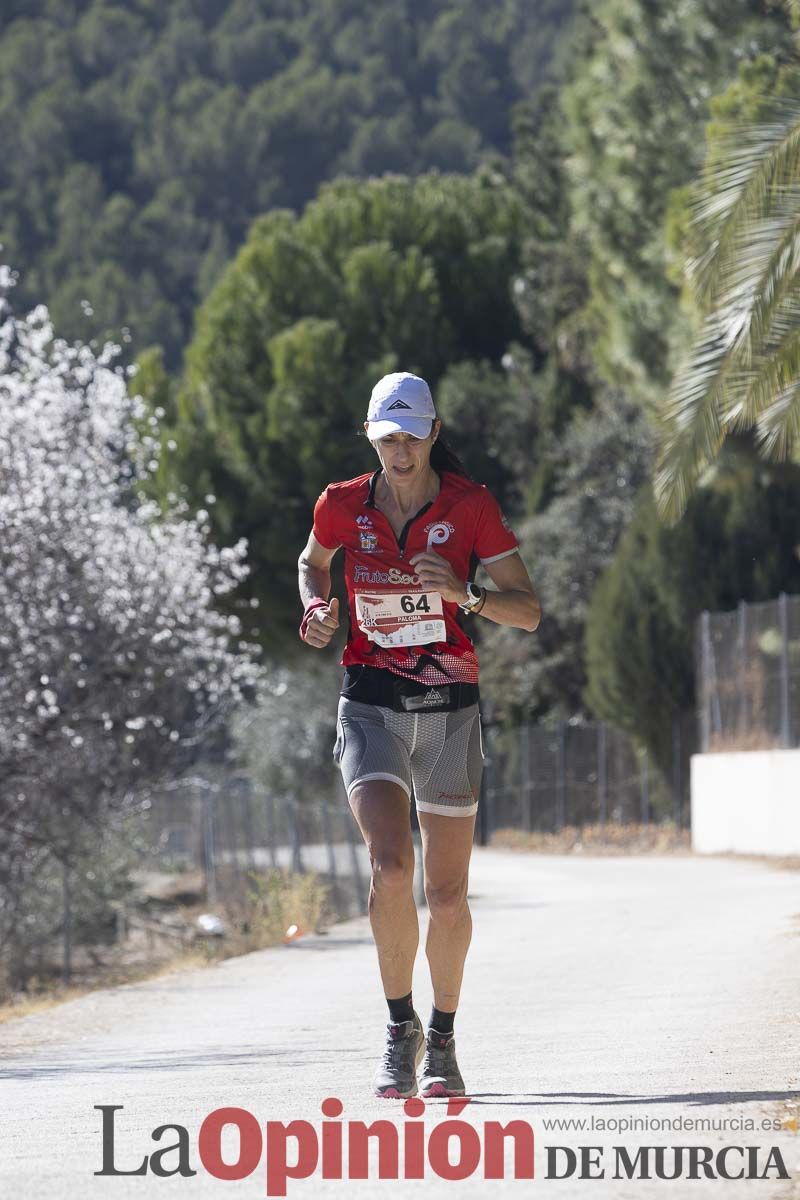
[748, 676]
[544, 779]
[227, 824]
[535, 779]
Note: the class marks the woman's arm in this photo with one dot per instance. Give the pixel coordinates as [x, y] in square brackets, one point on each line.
[314, 571]
[514, 603]
[314, 582]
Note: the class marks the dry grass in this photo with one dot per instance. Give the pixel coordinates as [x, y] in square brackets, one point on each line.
[261, 908]
[611, 838]
[257, 910]
[662, 838]
[744, 739]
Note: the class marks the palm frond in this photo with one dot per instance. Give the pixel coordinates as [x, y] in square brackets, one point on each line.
[772, 370]
[764, 273]
[778, 426]
[754, 164]
[691, 431]
[744, 367]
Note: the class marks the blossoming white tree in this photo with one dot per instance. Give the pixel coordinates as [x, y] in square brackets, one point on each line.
[113, 657]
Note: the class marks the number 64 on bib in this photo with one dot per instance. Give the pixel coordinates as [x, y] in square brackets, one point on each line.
[395, 618]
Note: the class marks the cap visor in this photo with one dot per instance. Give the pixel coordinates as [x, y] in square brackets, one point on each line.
[419, 427]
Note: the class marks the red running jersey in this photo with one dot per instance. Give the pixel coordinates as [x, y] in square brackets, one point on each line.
[393, 622]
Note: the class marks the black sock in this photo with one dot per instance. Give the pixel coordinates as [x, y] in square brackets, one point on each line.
[402, 1009]
[441, 1021]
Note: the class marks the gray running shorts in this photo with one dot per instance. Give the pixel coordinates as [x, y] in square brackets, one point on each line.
[439, 754]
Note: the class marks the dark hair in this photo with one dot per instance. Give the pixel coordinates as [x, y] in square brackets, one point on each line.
[444, 458]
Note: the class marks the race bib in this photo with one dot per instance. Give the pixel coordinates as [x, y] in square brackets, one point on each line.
[401, 618]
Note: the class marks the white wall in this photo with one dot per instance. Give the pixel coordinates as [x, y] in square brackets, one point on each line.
[747, 801]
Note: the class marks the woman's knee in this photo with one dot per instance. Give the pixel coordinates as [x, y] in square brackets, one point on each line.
[392, 870]
[447, 902]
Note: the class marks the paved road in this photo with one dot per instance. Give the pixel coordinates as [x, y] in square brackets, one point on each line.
[615, 989]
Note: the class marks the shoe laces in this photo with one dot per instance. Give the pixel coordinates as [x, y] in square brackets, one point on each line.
[438, 1054]
[395, 1047]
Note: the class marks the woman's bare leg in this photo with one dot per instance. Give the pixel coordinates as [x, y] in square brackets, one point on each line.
[382, 811]
[446, 849]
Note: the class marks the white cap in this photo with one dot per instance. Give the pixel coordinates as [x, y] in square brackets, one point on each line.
[400, 403]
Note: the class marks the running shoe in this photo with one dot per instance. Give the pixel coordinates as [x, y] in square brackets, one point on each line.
[440, 1073]
[396, 1076]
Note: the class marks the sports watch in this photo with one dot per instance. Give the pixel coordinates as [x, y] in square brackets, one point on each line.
[474, 597]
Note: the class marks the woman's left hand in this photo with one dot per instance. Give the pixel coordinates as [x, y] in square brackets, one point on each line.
[436, 574]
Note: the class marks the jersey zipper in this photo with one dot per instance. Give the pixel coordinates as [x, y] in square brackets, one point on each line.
[403, 538]
[401, 541]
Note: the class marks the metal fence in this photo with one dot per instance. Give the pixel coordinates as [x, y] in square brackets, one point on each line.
[543, 779]
[534, 779]
[226, 824]
[748, 676]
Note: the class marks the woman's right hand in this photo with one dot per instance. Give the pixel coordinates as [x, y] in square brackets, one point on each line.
[322, 624]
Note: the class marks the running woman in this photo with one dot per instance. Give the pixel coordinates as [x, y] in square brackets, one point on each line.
[408, 710]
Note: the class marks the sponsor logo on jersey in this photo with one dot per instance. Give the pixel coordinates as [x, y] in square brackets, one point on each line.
[394, 575]
[438, 532]
[368, 540]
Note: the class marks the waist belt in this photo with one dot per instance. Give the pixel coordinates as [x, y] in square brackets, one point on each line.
[377, 685]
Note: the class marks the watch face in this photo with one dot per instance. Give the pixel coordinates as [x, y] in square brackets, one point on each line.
[474, 592]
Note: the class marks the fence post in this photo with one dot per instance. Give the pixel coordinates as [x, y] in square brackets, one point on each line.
[742, 666]
[208, 849]
[294, 836]
[269, 812]
[67, 930]
[247, 801]
[783, 614]
[562, 775]
[481, 825]
[714, 718]
[326, 824]
[602, 771]
[486, 821]
[705, 719]
[677, 773]
[525, 774]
